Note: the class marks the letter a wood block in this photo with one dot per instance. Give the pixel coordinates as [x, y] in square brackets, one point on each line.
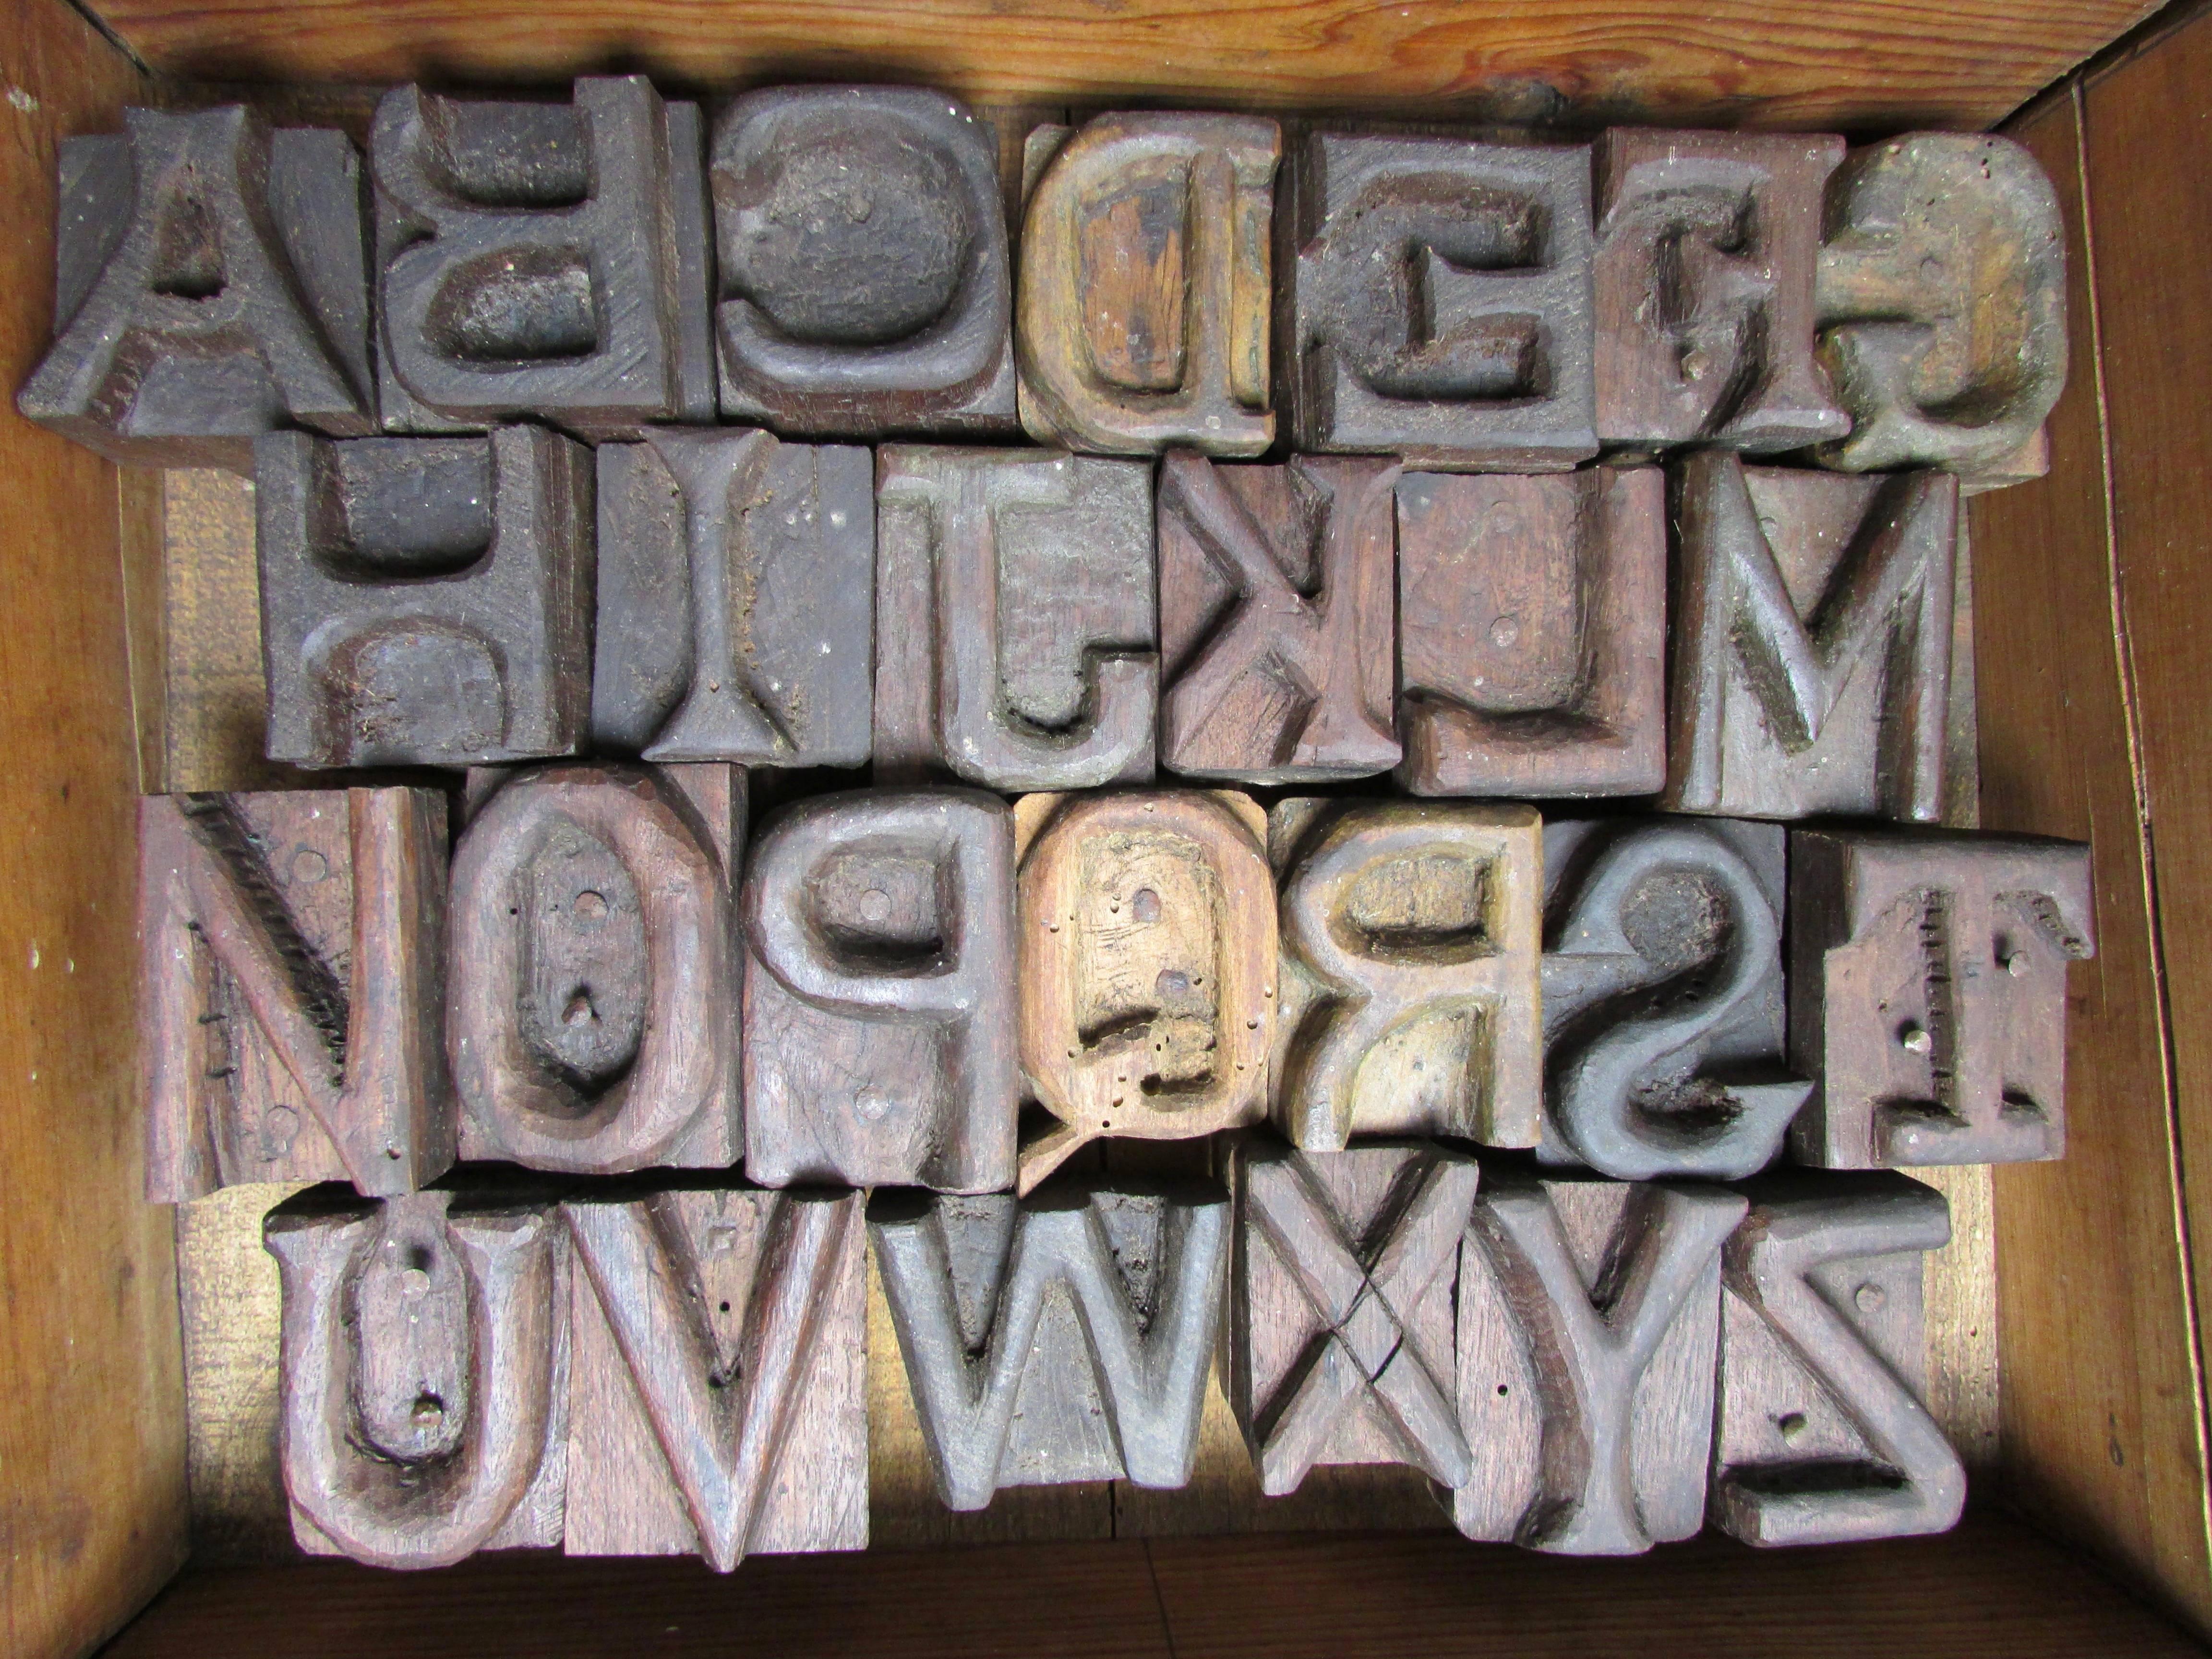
[1812, 649]
[423, 1376]
[1275, 614]
[210, 284]
[1146, 965]
[1065, 1336]
[1532, 633]
[879, 992]
[1340, 1318]
[1821, 1437]
[593, 1022]
[721, 1362]
[1142, 308]
[292, 963]
[1410, 948]
[1588, 1323]
[1928, 994]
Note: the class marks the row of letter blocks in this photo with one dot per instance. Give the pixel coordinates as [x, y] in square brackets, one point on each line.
[835, 261]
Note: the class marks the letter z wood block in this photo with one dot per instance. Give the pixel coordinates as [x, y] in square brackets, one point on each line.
[1928, 994]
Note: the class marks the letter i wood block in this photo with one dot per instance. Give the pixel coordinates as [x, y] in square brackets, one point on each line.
[879, 1045]
[1341, 1316]
[292, 963]
[593, 1021]
[1588, 1324]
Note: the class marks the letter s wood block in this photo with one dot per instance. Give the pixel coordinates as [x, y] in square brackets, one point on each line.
[292, 982]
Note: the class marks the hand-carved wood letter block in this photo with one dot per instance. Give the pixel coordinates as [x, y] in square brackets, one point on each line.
[1015, 623]
[1928, 994]
[1812, 642]
[1532, 633]
[1146, 965]
[424, 1376]
[1707, 243]
[546, 259]
[1340, 1317]
[1664, 1010]
[864, 283]
[1821, 1437]
[1410, 950]
[292, 986]
[210, 284]
[1275, 613]
[1942, 302]
[1143, 309]
[1437, 301]
[425, 601]
[721, 1363]
[1063, 1337]
[736, 591]
[879, 992]
[593, 1022]
[1589, 1325]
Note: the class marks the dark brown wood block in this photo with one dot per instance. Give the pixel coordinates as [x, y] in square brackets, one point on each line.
[542, 260]
[425, 601]
[424, 1390]
[1707, 246]
[736, 599]
[879, 991]
[1812, 645]
[1275, 618]
[1532, 633]
[1014, 618]
[1142, 307]
[593, 1023]
[292, 984]
[864, 282]
[1928, 994]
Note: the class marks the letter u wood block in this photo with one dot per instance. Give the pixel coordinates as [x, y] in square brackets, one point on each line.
[210, 284]
[592, 1025]
[1588, 1323]
[1142, 310]
[1146, 965]
[879, 992]
[292, 963]
[423, 1376]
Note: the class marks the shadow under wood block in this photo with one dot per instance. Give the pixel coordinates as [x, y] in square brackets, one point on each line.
[1436, 302]
[1275, 618]
[1341, 1345]
[1014, 618]
[211, 285]
[878, 991]
[1147, 966]
[292, 982]
[1408, 964]
[1942, 302]
[1588, 1327]
[863, 281]
[1142, 311]
[1821, 1437]
[720, 1365]
[542, 260]
[425, 601]
[1664, 1020]
[1928, 994]
[1812, 644]
[1707, 244]
[736, 593]
[424, 1374]
[592, 1019]
[1532, 633]
[1065, 1336]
